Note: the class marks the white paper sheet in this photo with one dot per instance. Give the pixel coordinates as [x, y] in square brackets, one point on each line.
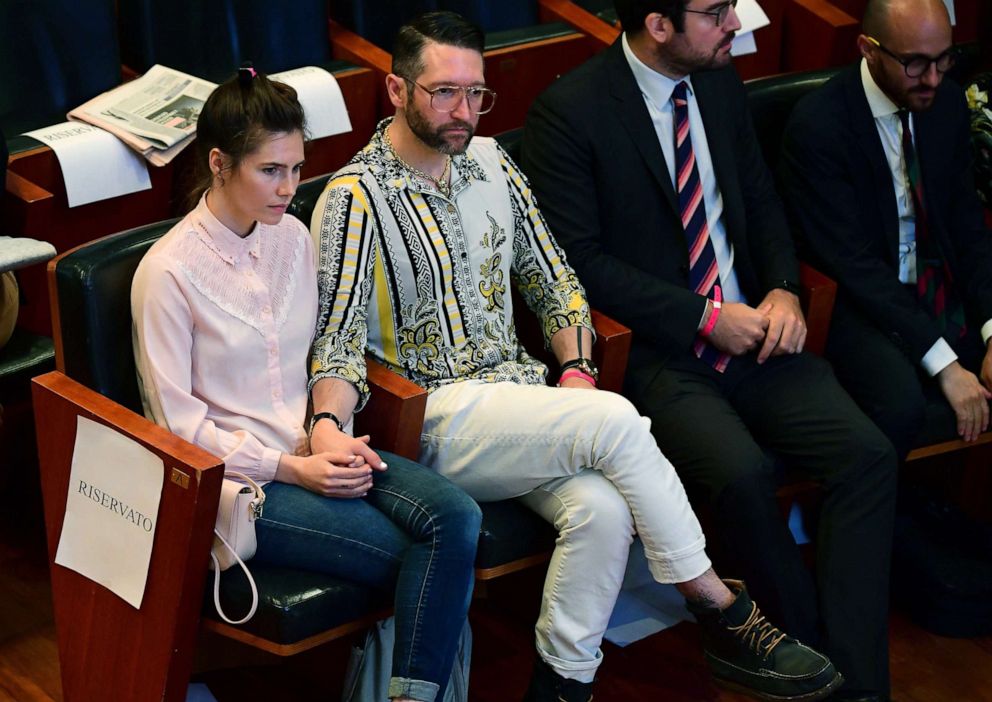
[115, 486]
[96, 165]
[644, 607]
[950, 11]
[744, 44]
[751, 15]
[320, 95]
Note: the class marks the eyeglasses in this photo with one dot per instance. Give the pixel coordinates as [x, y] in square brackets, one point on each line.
[916, 65]
[447, 98]
[719, 14]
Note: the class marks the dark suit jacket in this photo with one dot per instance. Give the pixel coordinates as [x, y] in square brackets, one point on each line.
[593, 158]
[839, 189]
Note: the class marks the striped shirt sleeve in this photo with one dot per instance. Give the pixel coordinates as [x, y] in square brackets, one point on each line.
[547, 283]
[344, 235]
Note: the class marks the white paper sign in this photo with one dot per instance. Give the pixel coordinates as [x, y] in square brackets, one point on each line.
[96, 165]
[950, 11]
[744, 44]
[114, 490]
[751, 16]
[320, 95]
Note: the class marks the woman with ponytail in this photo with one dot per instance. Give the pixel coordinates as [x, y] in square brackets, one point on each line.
[225, 308]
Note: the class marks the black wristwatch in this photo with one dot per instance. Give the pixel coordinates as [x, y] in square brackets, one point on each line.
[583, 364]
[325, 415]
[788, 286]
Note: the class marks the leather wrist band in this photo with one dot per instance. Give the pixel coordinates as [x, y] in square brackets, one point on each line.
[581, 364]
[576, 373]
[325, 415]
[788, 286]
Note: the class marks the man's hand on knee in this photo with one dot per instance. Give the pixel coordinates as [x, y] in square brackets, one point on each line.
[968, 398]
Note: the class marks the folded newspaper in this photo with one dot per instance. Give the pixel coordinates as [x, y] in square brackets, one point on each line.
[155, 114]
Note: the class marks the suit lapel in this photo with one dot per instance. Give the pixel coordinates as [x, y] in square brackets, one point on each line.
[636, 120]
[869, 144]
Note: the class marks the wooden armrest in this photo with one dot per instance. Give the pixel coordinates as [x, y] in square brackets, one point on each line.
[348, 46]
[817, 34]
[105, 643]
[394, 414]
[22, 189]
[818, 295]
[610, 351]
[589, 24]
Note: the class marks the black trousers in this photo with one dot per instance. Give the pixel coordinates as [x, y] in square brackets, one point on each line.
[891, 388]
[725, 433]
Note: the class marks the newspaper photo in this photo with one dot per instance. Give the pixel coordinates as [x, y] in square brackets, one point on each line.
[155, 114]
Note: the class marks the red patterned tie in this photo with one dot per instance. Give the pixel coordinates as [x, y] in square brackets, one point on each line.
[704, 276]
[934, 283]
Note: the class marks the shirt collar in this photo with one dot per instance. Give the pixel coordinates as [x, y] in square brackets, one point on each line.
[656, 87]
[226, 243]
[463, 166]
[879, 103]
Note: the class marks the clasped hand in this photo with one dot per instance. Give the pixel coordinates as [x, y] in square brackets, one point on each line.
[776, 325]
[340, 466]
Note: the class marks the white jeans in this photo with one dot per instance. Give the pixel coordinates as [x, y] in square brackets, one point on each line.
[586, 462]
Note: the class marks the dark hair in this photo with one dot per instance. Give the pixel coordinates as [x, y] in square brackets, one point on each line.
[632, 13]
[448, 28]
[238, 116]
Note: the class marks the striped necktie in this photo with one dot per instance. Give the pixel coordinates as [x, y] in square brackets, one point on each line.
[934, 283]
[704, 276]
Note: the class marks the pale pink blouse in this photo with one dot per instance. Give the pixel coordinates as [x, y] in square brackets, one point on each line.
[222, 332]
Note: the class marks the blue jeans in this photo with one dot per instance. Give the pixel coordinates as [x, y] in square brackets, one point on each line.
[414, 530]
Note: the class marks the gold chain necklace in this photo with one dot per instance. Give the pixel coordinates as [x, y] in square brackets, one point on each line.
[443, 184]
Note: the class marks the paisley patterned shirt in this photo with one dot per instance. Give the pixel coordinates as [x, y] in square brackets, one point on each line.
[421, 280]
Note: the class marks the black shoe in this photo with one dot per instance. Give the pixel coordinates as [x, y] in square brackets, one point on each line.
[547, 686]
[747, 654]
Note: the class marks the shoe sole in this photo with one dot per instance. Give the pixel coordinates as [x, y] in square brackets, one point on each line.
[827, 689]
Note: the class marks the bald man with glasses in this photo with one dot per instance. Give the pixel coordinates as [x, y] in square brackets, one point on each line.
[877, 171]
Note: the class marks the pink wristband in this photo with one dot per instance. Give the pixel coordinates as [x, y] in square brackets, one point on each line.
[576, 373]
[717, 302]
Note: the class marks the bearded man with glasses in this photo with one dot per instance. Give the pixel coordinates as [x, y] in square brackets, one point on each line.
[877, 170]
[419, 239]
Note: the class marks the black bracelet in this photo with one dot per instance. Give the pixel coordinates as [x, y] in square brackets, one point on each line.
[583, 364]
[325, 415]
[788, 286]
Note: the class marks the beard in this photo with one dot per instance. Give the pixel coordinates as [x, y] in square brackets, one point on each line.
[435, 137]
[688, 60]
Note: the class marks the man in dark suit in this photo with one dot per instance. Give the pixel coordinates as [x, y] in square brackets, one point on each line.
[648, 170]
[893, 216]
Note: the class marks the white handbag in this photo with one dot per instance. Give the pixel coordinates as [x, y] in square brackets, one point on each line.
[234, 535]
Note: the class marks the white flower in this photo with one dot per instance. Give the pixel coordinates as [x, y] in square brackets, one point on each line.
[976, 98]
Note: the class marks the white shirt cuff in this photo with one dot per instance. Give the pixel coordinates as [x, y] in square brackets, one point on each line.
[986, 331]
[939, 357]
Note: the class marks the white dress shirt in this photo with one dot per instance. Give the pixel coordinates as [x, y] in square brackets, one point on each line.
[889, 126]
[657, 90]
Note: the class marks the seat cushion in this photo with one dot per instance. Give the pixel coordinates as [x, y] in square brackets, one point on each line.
[510, 532]
[24, 356]
[292, 604]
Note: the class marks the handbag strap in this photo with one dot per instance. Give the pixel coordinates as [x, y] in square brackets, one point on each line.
[251, 582]
[259, 492]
